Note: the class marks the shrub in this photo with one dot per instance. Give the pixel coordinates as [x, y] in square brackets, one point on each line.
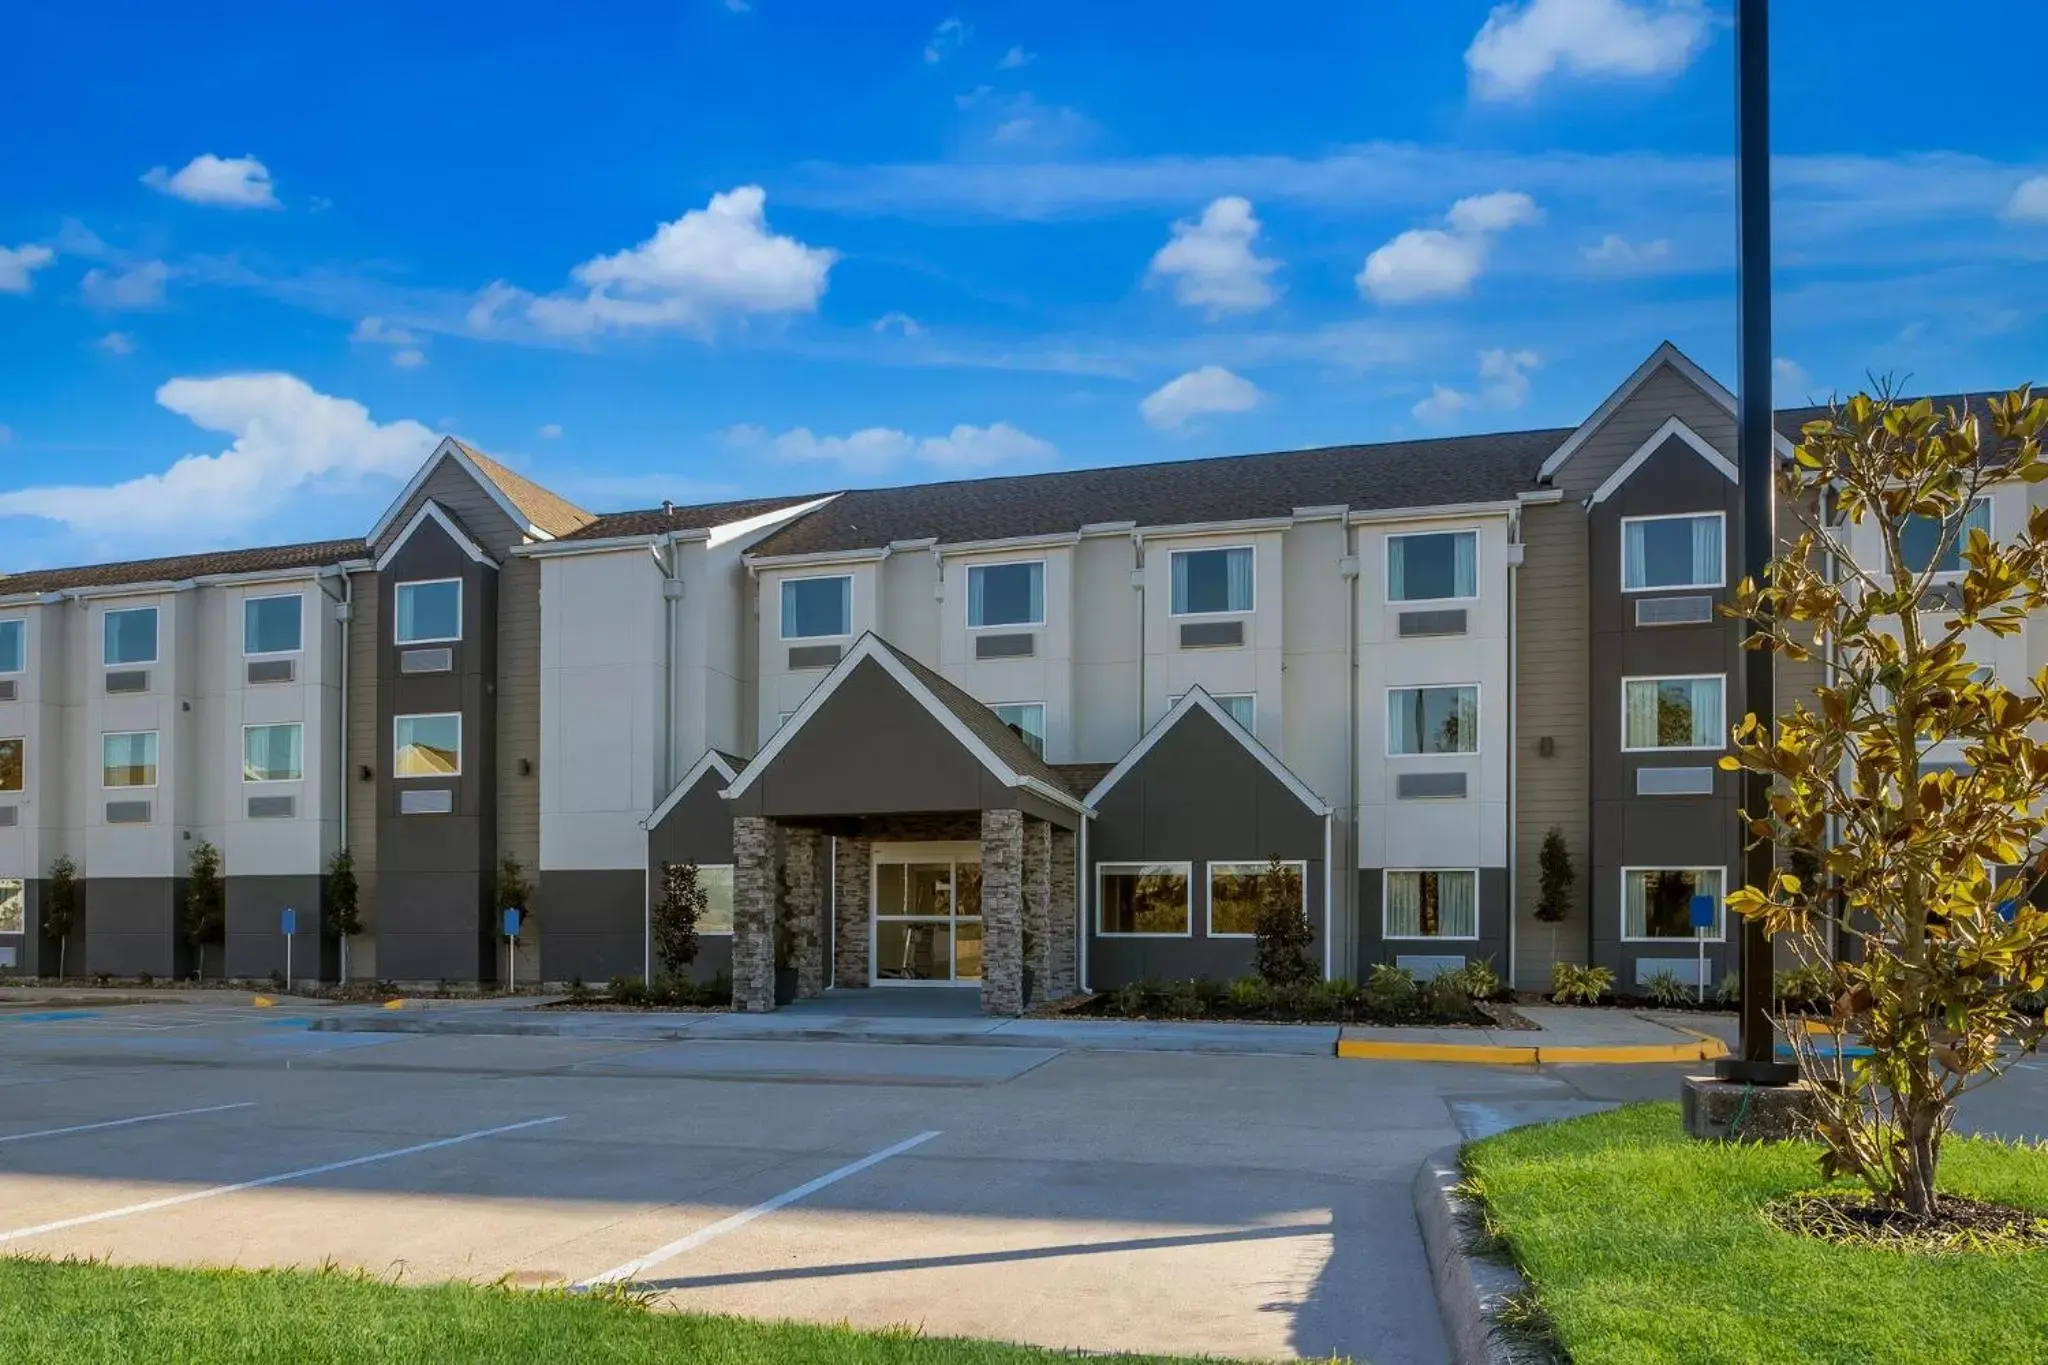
[1478, 979]
[60, 906]
[628, 990]
[1802, 988]
[1572, 984]
[1281, 954]
[1250, 995]
[1729, 991]
[1556, 876]
[340, 913]
[206, 901]
[1667, 989]
[1390, 990]
[1445, 996]
[1184, 999]
[682, 903]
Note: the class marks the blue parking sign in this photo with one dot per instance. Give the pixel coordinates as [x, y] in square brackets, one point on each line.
[288, 922]
[1703, 912]
[511, 923]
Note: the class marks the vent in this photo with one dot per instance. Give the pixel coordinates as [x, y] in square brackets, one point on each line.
[426, 660]
[1005, 646]
[1674, 782]
[7, 956]
[128, 812]
[1686, 969]
[273, 807]
[1211, 634]
[1450, 622]
[1426, 968]
[1429, 786]
[128, 680]
[273, 670]
[1673, 611]
[430, 802]
[7, 689]
[814, 656]
[10, 816]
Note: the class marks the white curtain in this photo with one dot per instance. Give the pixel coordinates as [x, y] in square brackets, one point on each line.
[1457, 904]
[1238, 564]
[1465, 547]
[1037, 572]
[1180, 581]
[1397, 569]
[1640, 719]
[1634, 557]
[1692, 706]
[1404, 905]
[1706, 550]
[1708, 727]
[1432, 905]
[977, 596]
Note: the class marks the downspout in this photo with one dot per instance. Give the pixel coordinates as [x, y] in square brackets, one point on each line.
[671, 595]
[1138, 582]
[1514, 831]
[1348, 567]
[1329, 916]
[1081, 881]
[344, 615]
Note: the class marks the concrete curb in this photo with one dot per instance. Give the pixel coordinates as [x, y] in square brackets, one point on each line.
[1469, 1290]
[1702, 1049]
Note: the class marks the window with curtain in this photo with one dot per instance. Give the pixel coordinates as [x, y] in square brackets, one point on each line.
[13, 772]
[13, 906]
[273, 753]
[1236, 891]
[1141, 898]
[131, 636]
[429, 613]
[1920, 537]
[13, 646]
[817, 608]
[717, 883]
[1427, 568]
[1433, 720]
[1242, 707]
[1026, 720]
[1657, 902]
[1672, 713]
[1672, 552]
[1432, 904]
[128, 759]
[271, 625]
[427, 746]
[1210, 581]
[1006, 594]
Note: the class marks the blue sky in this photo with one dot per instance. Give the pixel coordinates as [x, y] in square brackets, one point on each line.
[250, 267]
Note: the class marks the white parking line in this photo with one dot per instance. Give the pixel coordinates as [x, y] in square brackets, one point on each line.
[193, 1196]
[123, 1123]
[633, 1269]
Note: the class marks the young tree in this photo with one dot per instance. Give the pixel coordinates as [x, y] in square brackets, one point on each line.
[513, 890]
[1555, 876]
[1280, 954]
[60, 906]
[339, 911]
[1947, 958]
[682, 903]
[206, 905]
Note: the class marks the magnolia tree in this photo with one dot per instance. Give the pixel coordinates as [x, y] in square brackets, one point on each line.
[1914, 908]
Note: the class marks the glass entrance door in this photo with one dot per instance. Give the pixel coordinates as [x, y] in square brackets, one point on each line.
[927, 916]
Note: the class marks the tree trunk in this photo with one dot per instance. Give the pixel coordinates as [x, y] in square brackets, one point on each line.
[344, 959]
[1920, 1153]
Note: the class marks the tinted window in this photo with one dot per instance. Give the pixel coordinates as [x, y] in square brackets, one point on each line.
[12, 646]
[1005, 594]
[816, 607]
[429, 611]
[131, 636]
[270, 625]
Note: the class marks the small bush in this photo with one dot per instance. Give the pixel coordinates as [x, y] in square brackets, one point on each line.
[1667, 989]
[1184, 1000]
[1446, 997]
[1284, 935]
[1479, 980]
[1390, 990]
[1802, 988]
[628, 990]
[1573, 984]
[1250, 995]
[1729, 991]
[145, 979]
[277, 982]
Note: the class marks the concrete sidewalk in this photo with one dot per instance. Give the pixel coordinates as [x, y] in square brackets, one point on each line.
[1563, 1035]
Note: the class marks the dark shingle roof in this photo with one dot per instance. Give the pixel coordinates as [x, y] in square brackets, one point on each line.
[1790, 420]
[653, 520]
[542, 508]
[985, 725]
[178, 567]
[1082, 778]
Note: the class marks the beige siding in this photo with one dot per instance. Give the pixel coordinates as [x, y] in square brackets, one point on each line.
[519, 710]
[366, 747]
[1664, 395]
[467, 501]
[1553, 653]
[1797, 678]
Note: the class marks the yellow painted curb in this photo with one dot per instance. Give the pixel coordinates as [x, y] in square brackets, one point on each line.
[1483, 1054]
[398, 1004]
[263, 1002]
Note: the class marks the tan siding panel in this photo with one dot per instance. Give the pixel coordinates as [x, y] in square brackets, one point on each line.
[1552, 655]
[519, 710]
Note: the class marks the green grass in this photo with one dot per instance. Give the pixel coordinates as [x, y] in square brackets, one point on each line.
[73, 1312]
[1644, 1246]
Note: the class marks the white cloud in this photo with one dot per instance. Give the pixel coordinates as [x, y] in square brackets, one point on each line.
[1790, 383]
[1015, 58]
[1019, 122]
[951, 34]
[1212, 263]
[1425, 263]
[117, 343]
[1522, 45]
[1199, 393]
[966, 447]
[288, 439]
[717, 259]
[139, 286]
[552, 431]
[18, 263]
[1617, 253]
[898, 322]
[237, 182]
[411, 358]
[738, 6]
[2029, 202]
[878, 450]
[1503, 386]
[380, 332]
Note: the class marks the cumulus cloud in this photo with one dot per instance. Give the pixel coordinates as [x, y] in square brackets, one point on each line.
[897, 322]
[18, 263]
[406, 352]
[288, 439]
[1015, 58]
[1522, 45]
[1503, 386]
[1617, 253]
[1212, 262]
[948, 38]
[1199, 393]
[411, 358]
[1790, 383]
[117, 343]
[235, 182]
[138, 286]
[879, 450]
[2029, 202]
[1019, 121]
[551, 431]
[1425, 263]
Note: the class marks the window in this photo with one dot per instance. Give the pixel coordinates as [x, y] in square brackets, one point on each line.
[131, 636]
[1432, 720]
[1657, 902]
[1431, 904]
[11, 767]
[1672, 713]
[1142, 898]
[427, 746]
[270, 625]
[429, 612]
[1919, 537]
[1235, 890]
[128, 760]
[273, 753]
[816, 608]
[1671, 552]
[717, 884]
[1006, 594]
[1027, 720]
[1242, 707]
[1429, 568]
[13, 646]
[1210, 581]
[13, 906]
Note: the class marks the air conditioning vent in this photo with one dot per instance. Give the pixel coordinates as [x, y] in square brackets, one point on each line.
[1686, 969]
[10, 816]
[1674, 782]
[430, 802]
[128, 680]
[1005, 646]
[7, 689]
[1428, 968]
[1449, 622]
[273, 670]
[1211, 634]
[426, 660]
[1673, 611]
[128, 812]
[813, 656]
[273, 807]
[1429, 786]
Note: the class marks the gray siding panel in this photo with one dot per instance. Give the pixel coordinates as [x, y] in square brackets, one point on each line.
[467, 501]
[518, 720]
[368, 747]
[255, 947]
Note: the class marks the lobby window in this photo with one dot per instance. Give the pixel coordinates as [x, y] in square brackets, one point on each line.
[427, 746]
[272, 625]
[817, 608]
[1026, 720]
[1006, 594]
[13, 646]
[1432, 568]
[273, 753]
[1920, 536]
[13, 906]
[1209, 582]
[717, 883]
[1431, 904]
[1432, 720]
[13, 753]
[1236, 891]
[128, 759]
[1140, 899]
[1672, 552]
[1672, 713]
[429, 612]
[131, 637]
[1656, 903]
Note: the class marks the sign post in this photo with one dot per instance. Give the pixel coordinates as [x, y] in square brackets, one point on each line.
[512, 915]
[288, 924]
[1702, 924]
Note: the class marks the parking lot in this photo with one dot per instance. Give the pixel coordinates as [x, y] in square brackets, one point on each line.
[1255, 1207]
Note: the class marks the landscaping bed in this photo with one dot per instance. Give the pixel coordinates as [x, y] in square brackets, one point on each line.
[1643, 1246]
[628, 994]
[1389, 997]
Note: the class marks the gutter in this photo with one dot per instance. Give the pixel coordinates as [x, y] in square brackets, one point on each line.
[1514, 831]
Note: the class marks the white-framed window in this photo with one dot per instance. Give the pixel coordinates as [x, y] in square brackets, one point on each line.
[1920, 536]
[130, 636]
[1432, 566]
[1656, 902]
[1006, 594]
[128, 758]
[1144, 900]
[13, 764]
[274, 753]
[1211, 582]
[1026, 720]
[1686, 550]
[1673, 713]
[1432, 903]
[1242, 707]
[427, 745]
[1432, 720]
[817, 608]
[717, 883]
[429, 612]
[276, 625]
[1235, 892]
[13, 906]
[13, 646]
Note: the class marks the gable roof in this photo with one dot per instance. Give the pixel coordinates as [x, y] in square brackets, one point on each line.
[653, 521]
[1196, 699]
[177, 568]
[537, 507]
[431, 511]
[1665, 354]
[714, 761]
[1673, 428]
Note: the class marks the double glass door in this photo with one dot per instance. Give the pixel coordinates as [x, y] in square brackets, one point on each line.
[927, 916]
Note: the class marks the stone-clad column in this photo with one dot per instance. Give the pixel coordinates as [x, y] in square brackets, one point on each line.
[1037, 902]
[1002, 912]
[850, 936]
[803, 850]
[1062, 972]
[753, 914]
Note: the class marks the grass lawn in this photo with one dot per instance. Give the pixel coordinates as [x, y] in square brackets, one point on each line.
[1644, 1246]
[72, 1312]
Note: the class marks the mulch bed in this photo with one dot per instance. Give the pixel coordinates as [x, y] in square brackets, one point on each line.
[1957, 1224]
